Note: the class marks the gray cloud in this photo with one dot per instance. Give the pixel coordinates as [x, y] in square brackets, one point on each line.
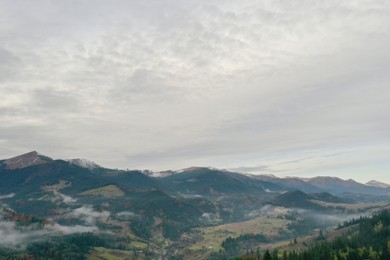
[9, 64]
[177, 83]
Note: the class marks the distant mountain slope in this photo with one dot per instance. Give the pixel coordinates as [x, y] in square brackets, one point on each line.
[31, 170]
[299, 199]
[377, 184]
[25, 160]
[289, 183]
[131, 179]
[32, 178]
[212, 182]
[83, 163]
[332, 185]
[336, 185]
[295, 198]
[326, 197]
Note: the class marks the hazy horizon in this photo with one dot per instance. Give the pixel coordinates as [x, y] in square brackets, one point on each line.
[285, 88]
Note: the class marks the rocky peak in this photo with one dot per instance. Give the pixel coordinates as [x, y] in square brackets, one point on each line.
[25, 160]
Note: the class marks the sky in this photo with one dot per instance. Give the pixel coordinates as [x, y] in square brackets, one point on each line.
[291, 88]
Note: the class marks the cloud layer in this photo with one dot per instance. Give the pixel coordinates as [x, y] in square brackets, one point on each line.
[170, 84]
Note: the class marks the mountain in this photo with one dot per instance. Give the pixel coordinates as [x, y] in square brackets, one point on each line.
[201, 181]
[332, 185]
[160, 174]
[29, 180]
[25, 160]
[37, 185]
[326, 197]
[160, 208]
[377, 184]
[32, 170]
[135, 179]
[289, 183]
[336, 186]
[299, 199]
[84, 163]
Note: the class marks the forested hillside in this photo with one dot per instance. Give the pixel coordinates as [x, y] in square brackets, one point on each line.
[368, 239]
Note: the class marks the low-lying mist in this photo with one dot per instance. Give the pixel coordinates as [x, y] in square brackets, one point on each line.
[16, 235]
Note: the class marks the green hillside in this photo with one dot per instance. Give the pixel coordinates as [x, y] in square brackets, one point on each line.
[369, 238]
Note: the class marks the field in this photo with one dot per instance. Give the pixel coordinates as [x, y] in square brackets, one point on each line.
[212, 237]
[354, 207]
[138, 245]
[56, 187]
[101, 253]
[107, 191]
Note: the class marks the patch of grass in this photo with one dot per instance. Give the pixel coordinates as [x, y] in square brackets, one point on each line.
[138, 244]
[213, 236]
[56, 187]
[101, 253]
[107, 191]
[355, 206]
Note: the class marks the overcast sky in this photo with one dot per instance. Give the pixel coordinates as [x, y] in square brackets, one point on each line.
[293, 88]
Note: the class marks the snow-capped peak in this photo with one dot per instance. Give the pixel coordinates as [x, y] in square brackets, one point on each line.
[160, 174]
[84, 163]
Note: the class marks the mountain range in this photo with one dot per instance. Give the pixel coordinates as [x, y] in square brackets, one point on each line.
[153, 207]
[32, 170]
[191, 180]
[38, 185]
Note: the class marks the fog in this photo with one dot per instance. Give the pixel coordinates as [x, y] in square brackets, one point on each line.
[89, 215]
[11, 235]
[127, 215]
[6, 196]
[18, 236]
[64, 198]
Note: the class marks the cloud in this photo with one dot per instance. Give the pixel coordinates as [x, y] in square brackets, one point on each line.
[17, 236]
[127, 215]
[13, 235]
[254, 169]
[10, 235]
[7, 196]
[9, 63]
[177, 83]
[67, 230]
[209, 217]
[89, 215]
[64, 198]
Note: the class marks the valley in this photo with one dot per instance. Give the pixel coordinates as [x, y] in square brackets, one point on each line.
[196, 213]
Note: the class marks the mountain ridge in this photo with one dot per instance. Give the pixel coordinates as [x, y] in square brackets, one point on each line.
[25, 160]
[255, 183]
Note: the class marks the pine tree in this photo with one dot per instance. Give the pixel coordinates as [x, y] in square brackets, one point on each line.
[267, 255]
[275, 254]
[385, 252]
